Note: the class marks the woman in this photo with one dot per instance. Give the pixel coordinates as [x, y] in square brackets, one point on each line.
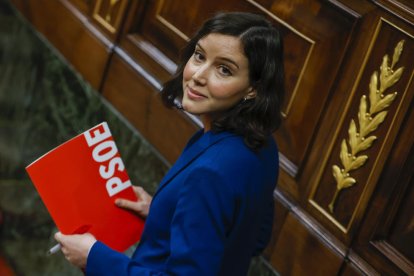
[213, 210]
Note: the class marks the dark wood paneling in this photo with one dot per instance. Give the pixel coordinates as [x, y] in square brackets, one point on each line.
[402, 8]
[83, 6]
[280, 214]
[355, 265]
[316, 36]
[299, 252]
[69, 31]
[168, 24]
[351, 270]
[386, 238]
[129, 93]
[168, 130]
[351, 202]
[109, 15]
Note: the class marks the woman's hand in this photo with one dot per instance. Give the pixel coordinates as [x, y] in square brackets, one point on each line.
[141, 206]
[76, 247]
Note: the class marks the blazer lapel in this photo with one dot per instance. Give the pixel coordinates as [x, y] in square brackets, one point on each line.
[196, 146]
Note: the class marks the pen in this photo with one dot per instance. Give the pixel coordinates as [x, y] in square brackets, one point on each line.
[54, 249]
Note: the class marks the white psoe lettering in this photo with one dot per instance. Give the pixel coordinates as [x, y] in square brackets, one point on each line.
[97, 134]
[115, 185]
[105, 152]
[108, 172]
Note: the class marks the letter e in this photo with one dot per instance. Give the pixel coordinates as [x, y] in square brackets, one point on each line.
[97, 134]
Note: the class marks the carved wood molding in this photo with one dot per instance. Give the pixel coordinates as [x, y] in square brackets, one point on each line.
[372, 113]
[348, 207]
[109, 13]
[395, 256]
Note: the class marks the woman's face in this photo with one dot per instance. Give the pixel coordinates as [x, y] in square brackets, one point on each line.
[216, 77]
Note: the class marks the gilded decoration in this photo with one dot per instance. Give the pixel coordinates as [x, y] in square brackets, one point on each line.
[108, 13]
[372, 112]
[112, 3]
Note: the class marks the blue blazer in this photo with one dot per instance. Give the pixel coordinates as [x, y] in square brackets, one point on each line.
[212, 212]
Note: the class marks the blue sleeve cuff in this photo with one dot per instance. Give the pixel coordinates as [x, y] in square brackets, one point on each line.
[102, 260]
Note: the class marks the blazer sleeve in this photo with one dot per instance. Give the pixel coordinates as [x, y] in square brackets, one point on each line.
[202, 216]
[266, 229]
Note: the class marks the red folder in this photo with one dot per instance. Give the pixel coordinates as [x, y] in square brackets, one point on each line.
[79, 181]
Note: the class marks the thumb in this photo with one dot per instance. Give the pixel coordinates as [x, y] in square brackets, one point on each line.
[59, 237]
[125, 203]
[139, 191]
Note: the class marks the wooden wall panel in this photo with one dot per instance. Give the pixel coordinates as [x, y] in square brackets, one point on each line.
[123, 85]
[350, 203]
[355, 265]
[280, 214]
[109, 15]
[387, 234]
[168, 24]
[168, 130]
[299, 252]
[402, 8]
[316, 36]
[83, 6]
[71, 33]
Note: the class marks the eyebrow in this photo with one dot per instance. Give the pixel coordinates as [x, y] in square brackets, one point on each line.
[221, 58]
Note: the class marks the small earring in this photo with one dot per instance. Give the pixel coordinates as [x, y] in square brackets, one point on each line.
[244, 99]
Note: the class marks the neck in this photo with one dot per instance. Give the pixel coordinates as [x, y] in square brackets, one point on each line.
[206, 119]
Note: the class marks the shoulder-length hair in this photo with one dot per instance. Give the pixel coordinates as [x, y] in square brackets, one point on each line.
[255, 119]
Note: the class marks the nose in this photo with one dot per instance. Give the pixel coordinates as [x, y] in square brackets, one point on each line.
[200, 75]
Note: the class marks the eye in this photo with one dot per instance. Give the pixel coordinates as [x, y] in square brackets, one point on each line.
[224, 70]
[198, 56]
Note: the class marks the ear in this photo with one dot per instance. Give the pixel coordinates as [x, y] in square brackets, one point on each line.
[251, 93]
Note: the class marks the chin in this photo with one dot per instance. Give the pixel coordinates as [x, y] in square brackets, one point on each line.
[189, 109]
[187, 106]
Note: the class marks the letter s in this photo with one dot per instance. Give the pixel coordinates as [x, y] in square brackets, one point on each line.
[113, 163]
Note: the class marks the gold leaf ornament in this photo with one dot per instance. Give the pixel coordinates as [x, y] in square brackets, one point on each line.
[370, 116]
[358, 162]
[362, 114]
[112, 4]
[387, 77]
[373, 123]
[342, 182]
[383, 103]
[365, 144]
[353, 139]
[397, 53]
[344, 155]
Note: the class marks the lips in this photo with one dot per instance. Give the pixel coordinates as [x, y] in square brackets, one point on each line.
[194, 94]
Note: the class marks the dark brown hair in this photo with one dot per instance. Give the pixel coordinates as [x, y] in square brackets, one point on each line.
[257, 118]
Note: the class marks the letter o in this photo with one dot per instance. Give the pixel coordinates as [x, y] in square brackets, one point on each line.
[97, 154]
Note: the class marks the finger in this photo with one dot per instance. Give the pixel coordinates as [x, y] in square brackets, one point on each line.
[125, 203]
[58, 237]
[90, 235]
[64, 251]
[139, 191]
